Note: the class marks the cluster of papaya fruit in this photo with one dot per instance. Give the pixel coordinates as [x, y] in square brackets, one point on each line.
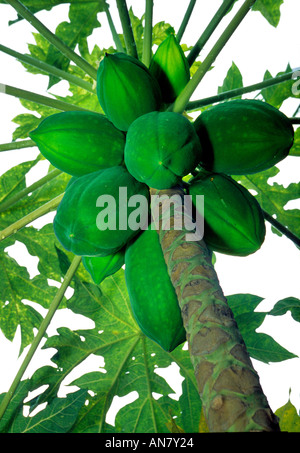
[137, 145]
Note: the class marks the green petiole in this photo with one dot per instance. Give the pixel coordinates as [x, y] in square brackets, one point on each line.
[48, 69]
[194, 105]
[127, 29]
[182, 100]
[39, 212]
[53, 39]
[36, 185]
[39, 98]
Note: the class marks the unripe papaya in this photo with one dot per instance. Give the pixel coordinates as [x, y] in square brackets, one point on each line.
[243, 136]
[170, 67]
[233, 220]
[100, 267]
[126, 89]
[92, 218]
[161, 147]
[152, 296]
[79, 142]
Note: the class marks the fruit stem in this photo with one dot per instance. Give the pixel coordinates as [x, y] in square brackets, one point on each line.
[17, 145]
[222, 11]
[48, 69]
[36, 185]
[127, 29]
[113, 30]
[281, 228]
[39, 212]
[53, 39]
[147, 44]
[41, 332]
[185, 20]
[181, 101]
[39, 99]
[194, 105]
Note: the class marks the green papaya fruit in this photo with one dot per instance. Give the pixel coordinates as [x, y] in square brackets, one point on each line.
[233, 220]
[94, 216]
[161, 147]
[152, 296]
[79, 142]
[171, 69]
[126, 89]
[100, 267]
[243, 136]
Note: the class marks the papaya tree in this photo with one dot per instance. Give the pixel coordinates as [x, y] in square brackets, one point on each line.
[148, 186]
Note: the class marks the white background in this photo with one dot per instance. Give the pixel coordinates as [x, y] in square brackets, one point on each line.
[272, 272]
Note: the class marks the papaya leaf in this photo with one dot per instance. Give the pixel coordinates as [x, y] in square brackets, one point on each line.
[13, 181]
[42, 244]
[289, 419]
[58, 417]
[277, 94]
[173, 427]
[232, 80]
[259, 345]
[190, 408]
[15, 406]
[160, 32]
[39, 50]
[130, 363]
[83, 20]
[270, 9]
[27, 122]
[16, 286]
[273, 198]
[288, 304]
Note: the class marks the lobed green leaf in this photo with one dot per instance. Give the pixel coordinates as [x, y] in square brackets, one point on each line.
[130, 363]
[259, 345]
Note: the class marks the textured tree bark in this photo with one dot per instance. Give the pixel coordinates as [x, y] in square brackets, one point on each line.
[228, 385]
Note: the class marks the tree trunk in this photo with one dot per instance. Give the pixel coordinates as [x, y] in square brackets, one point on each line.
[228, 385]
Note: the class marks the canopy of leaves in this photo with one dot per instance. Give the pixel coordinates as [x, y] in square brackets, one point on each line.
[130, 359]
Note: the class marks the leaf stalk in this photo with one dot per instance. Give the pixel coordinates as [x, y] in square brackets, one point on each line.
[194, 105]
[181, 101]
[127, 29]
[53, 39]
[147, 43]
[39, 99]
[185, 20]
[48, 69]
[37, 213]
[281, 228]
[17, 145]
[36, 185]
[113, 30]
